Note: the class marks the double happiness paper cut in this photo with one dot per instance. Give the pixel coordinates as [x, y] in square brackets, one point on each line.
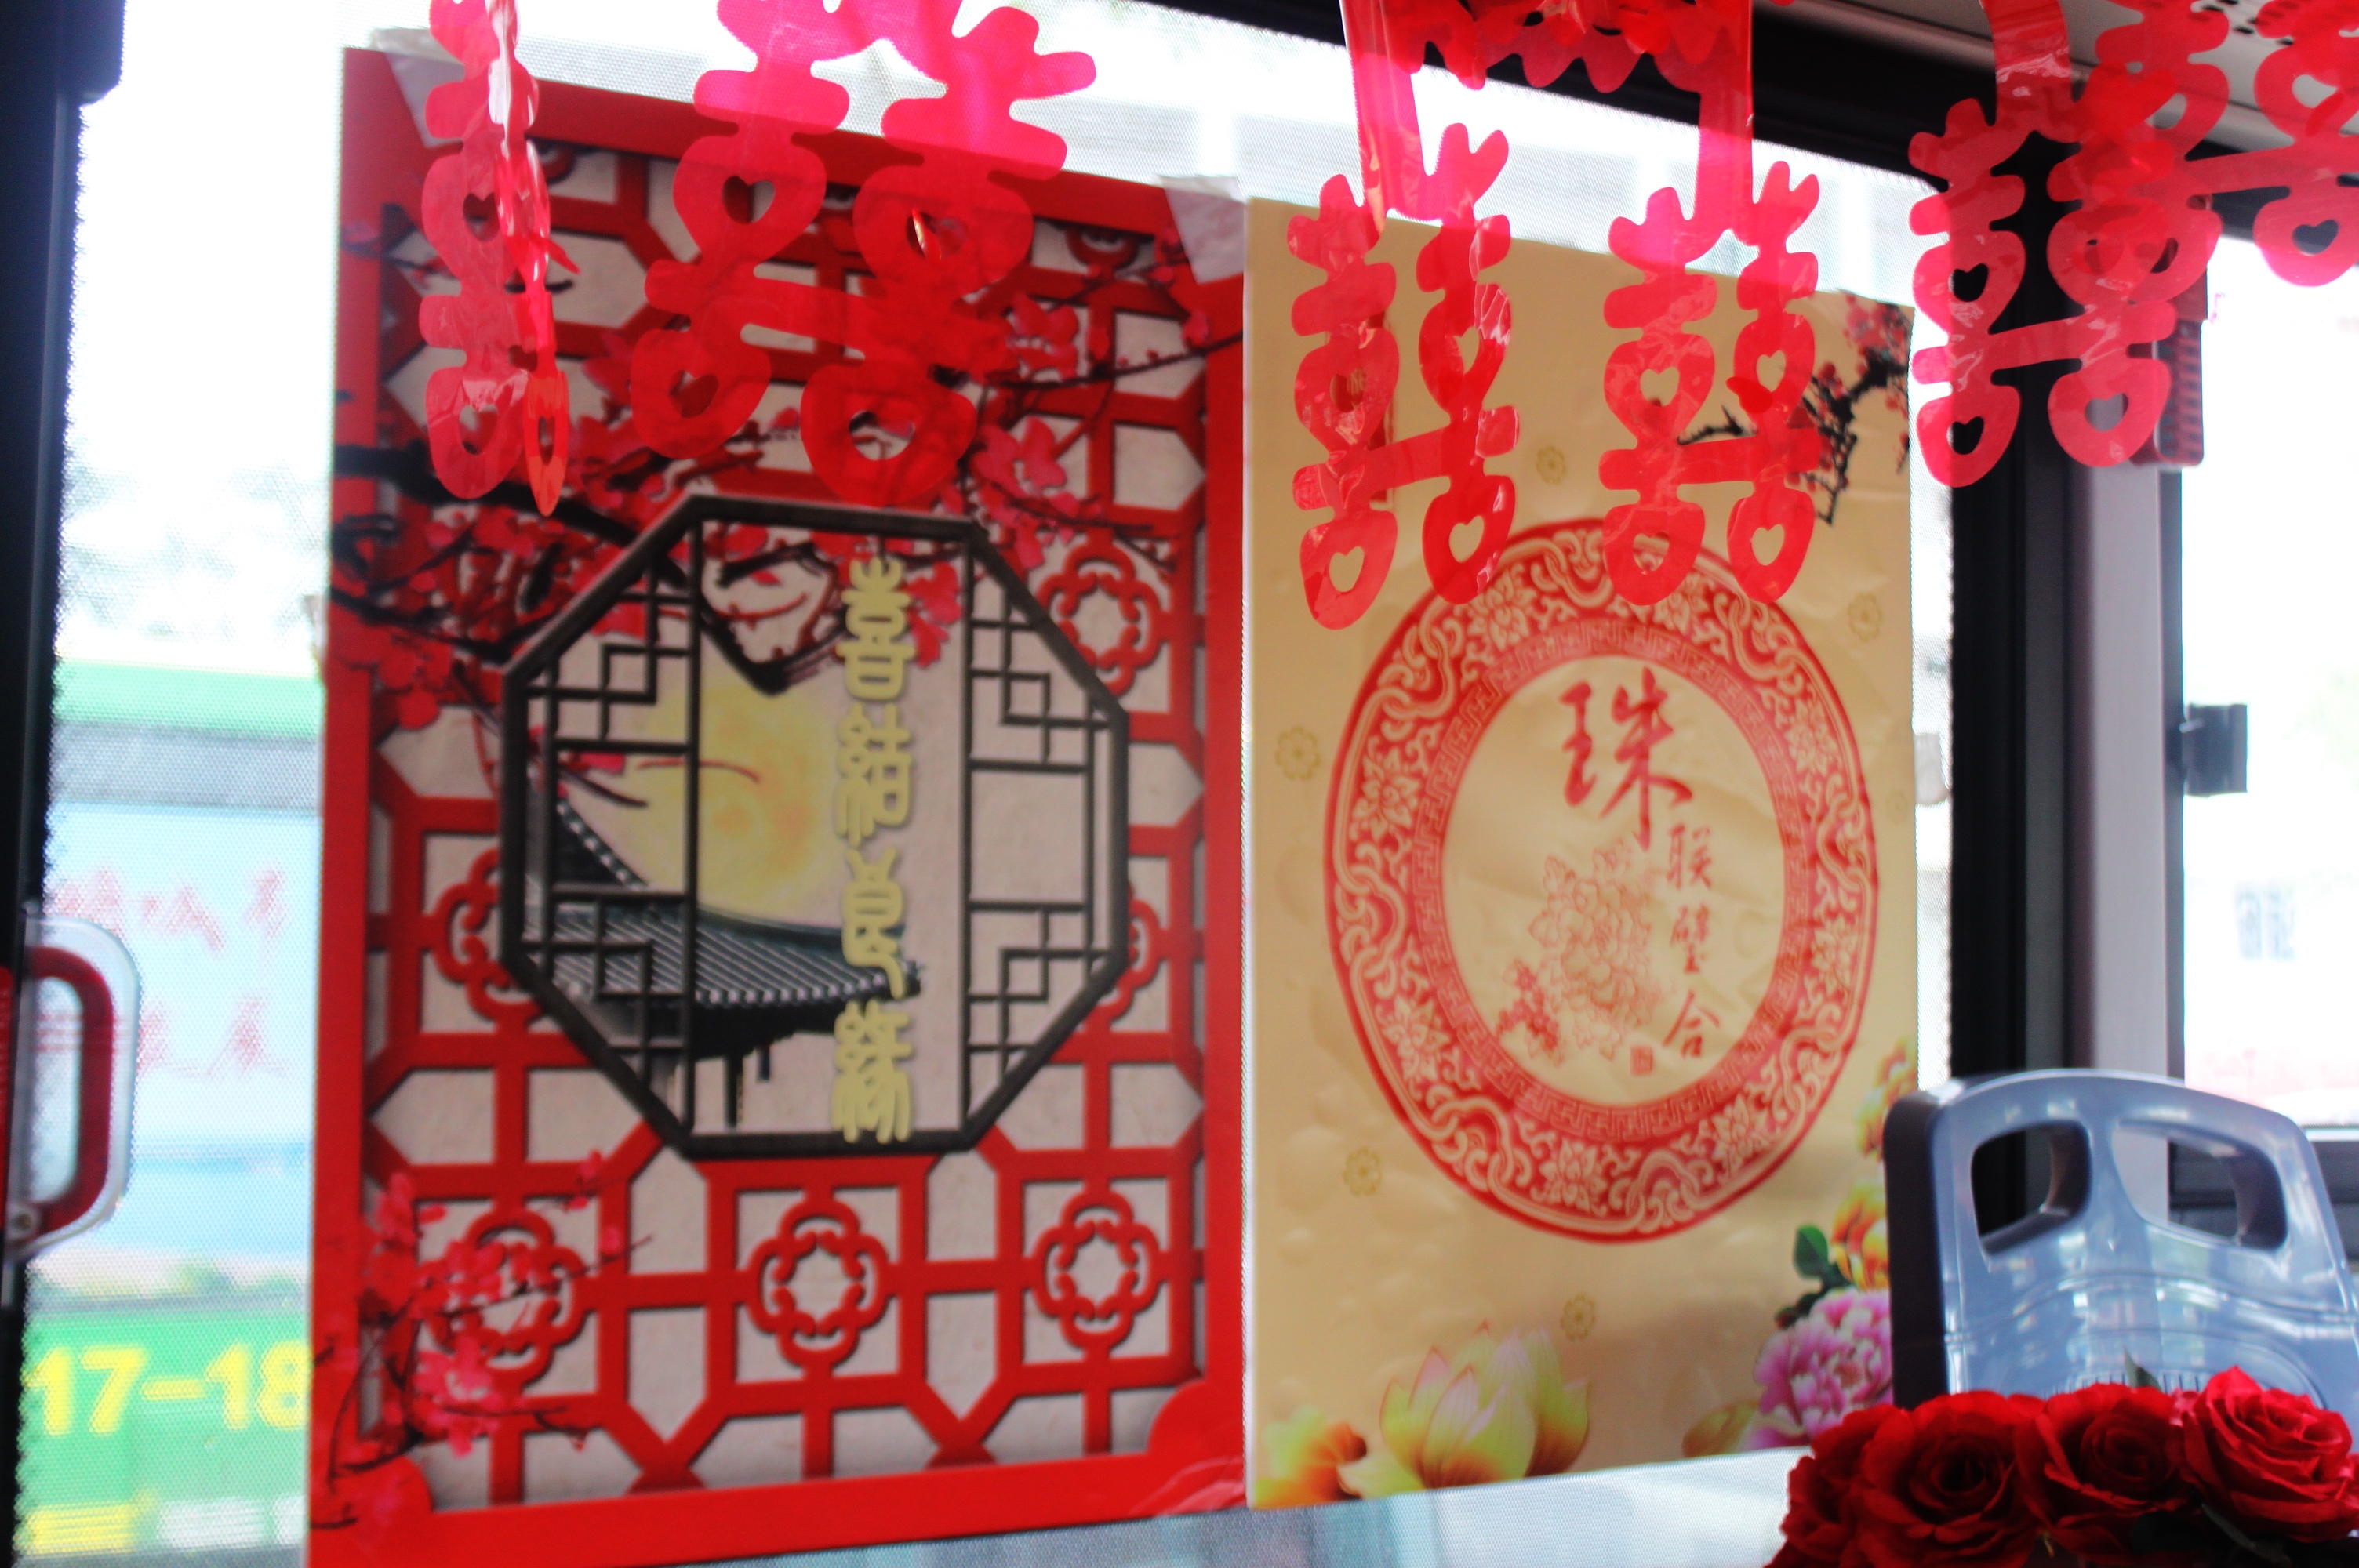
[2131, 255]
[2134, 250]
[1344, 392]
[934, 234]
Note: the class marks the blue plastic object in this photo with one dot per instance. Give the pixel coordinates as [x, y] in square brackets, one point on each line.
[2085, 1284]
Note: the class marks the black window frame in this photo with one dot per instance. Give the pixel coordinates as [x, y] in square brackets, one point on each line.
[2199, 1194]
[56, 56]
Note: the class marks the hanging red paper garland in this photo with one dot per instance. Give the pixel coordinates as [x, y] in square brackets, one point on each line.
[2131, 256]
[1343, 390]
[485, 211]
[884, 430]
[1708, 50]
[2142, 234]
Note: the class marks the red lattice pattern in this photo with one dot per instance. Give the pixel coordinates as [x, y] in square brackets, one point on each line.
[827, 1293]
[742, 1282]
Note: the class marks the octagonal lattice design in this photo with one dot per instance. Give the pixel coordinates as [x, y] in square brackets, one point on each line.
[675, 748]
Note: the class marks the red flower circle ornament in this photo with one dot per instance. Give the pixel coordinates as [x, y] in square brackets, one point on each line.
[1601, 887]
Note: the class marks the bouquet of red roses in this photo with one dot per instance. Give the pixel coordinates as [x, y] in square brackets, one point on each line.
[2120, 1473]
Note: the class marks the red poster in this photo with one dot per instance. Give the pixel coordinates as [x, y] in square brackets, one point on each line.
[780, 1058]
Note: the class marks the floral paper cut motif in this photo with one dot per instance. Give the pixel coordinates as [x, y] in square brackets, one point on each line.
[1615, 1072]
[1593, 989]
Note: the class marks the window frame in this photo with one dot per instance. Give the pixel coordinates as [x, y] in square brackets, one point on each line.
[2197, 1195]
[55, 57]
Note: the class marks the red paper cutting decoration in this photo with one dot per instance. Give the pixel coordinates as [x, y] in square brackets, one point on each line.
[1343, 395]
[1965, 432]
[2142, 234]
[485, 211]
[1707, 48]
[935, 233]
[743, 198]
[414, 1376]
[1343, 390]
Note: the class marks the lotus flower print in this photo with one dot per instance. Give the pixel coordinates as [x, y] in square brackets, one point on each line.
[1497, 1410]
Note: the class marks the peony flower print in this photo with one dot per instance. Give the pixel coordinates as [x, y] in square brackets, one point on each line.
[1497, 1410]
[1594, 986]
[1833, 1359]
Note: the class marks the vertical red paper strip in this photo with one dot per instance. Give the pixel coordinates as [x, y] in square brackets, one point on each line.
[1343, 390]
[1343, 394]
[1706, 49]
[1965, 432]
[887, 429]
[743, 198]
[485, 211]
[937, 232]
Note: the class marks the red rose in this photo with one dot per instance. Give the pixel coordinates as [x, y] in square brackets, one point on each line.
[2093, 1461]
[2270, 1460]
[1821, 1511]
[1938, 1486]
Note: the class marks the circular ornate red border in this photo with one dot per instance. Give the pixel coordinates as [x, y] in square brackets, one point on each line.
[1605, 1171]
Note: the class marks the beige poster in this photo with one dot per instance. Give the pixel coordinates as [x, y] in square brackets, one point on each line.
[1583, 962]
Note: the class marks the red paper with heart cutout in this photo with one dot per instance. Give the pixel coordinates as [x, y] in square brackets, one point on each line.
[889, 429]
[485, 211]
[1343, 391]
[1707, 48]
[2141, 233]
